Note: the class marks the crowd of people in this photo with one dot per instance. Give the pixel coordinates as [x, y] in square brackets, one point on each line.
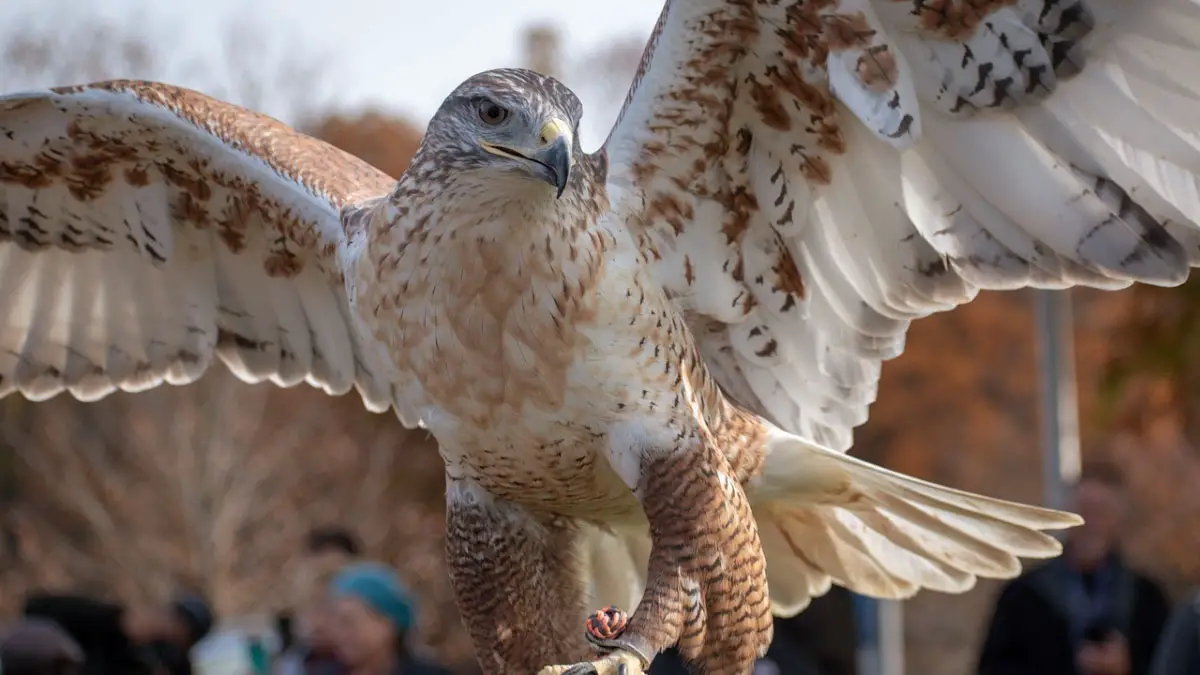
[351, 617]
[1088, 612]
[72, 634]
[354, 617]
[350, 631]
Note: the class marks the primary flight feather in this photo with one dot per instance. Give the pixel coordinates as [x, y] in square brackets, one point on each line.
[643, 365]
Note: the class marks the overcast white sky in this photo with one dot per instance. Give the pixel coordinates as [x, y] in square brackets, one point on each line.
[404, 55]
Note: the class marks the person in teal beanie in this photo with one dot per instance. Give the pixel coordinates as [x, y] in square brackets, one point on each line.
[373, 615]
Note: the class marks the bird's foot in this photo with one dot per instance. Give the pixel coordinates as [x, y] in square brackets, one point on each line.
[618, 657]
[619, 662]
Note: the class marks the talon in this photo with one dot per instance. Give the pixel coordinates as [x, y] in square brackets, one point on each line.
[617, 662]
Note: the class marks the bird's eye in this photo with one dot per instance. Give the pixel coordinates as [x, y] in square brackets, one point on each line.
[492, 113]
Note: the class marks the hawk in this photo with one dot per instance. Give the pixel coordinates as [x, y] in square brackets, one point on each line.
[643, 365]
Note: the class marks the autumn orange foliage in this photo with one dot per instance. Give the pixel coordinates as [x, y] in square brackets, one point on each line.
[961, 407]
[387, 142]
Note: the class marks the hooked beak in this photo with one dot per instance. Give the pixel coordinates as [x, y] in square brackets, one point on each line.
[551, 160]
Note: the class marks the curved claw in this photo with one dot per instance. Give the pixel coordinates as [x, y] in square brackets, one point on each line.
[616, 662]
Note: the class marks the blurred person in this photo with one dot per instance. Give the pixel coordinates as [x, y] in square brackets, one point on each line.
[1178, 651]
[119, 640]
[373, 614]
[310, 649]
[1083, 613]
[39, 647]
[328, 549]
[822, 639]
[315, 653]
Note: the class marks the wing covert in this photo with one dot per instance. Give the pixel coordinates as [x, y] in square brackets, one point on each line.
[809, 176]
[145, 228]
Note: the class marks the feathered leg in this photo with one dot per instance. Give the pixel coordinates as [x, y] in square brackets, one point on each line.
[707, 586]
[517, 581]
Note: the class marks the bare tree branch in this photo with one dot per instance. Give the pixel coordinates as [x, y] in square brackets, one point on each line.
[64, 43]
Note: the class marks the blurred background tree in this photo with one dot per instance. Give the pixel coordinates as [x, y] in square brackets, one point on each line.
[386, 141]
[1155, 360]
[216, 483]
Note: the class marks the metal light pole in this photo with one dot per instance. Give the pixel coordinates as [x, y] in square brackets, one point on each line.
[891, 637]
[880, 625]
[1060, 406]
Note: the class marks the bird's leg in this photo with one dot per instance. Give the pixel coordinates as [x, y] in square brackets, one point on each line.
[517, 581]
[707, 585]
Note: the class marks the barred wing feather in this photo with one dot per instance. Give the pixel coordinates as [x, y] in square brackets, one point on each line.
[146, 228]
[810, 176]
[807, 177]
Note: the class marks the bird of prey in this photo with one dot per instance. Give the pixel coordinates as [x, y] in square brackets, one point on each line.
[643, 365]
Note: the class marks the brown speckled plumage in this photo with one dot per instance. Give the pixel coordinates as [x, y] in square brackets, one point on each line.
[709, 591]
[517, 576]
[166, 182]
[642, 365]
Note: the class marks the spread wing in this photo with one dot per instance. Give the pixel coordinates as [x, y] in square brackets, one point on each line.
[146, 228]
[809, 176]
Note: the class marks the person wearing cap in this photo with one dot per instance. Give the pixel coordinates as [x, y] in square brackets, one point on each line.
[305, 631]
[118, 640]
[373, 614]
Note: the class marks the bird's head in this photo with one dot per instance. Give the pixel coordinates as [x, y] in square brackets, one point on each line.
[510, 124]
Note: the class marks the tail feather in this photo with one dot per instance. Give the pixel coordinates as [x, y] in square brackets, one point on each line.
[803, 581]
[943, 541]
[1018, 525]
[827, 517]
[825, 542]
